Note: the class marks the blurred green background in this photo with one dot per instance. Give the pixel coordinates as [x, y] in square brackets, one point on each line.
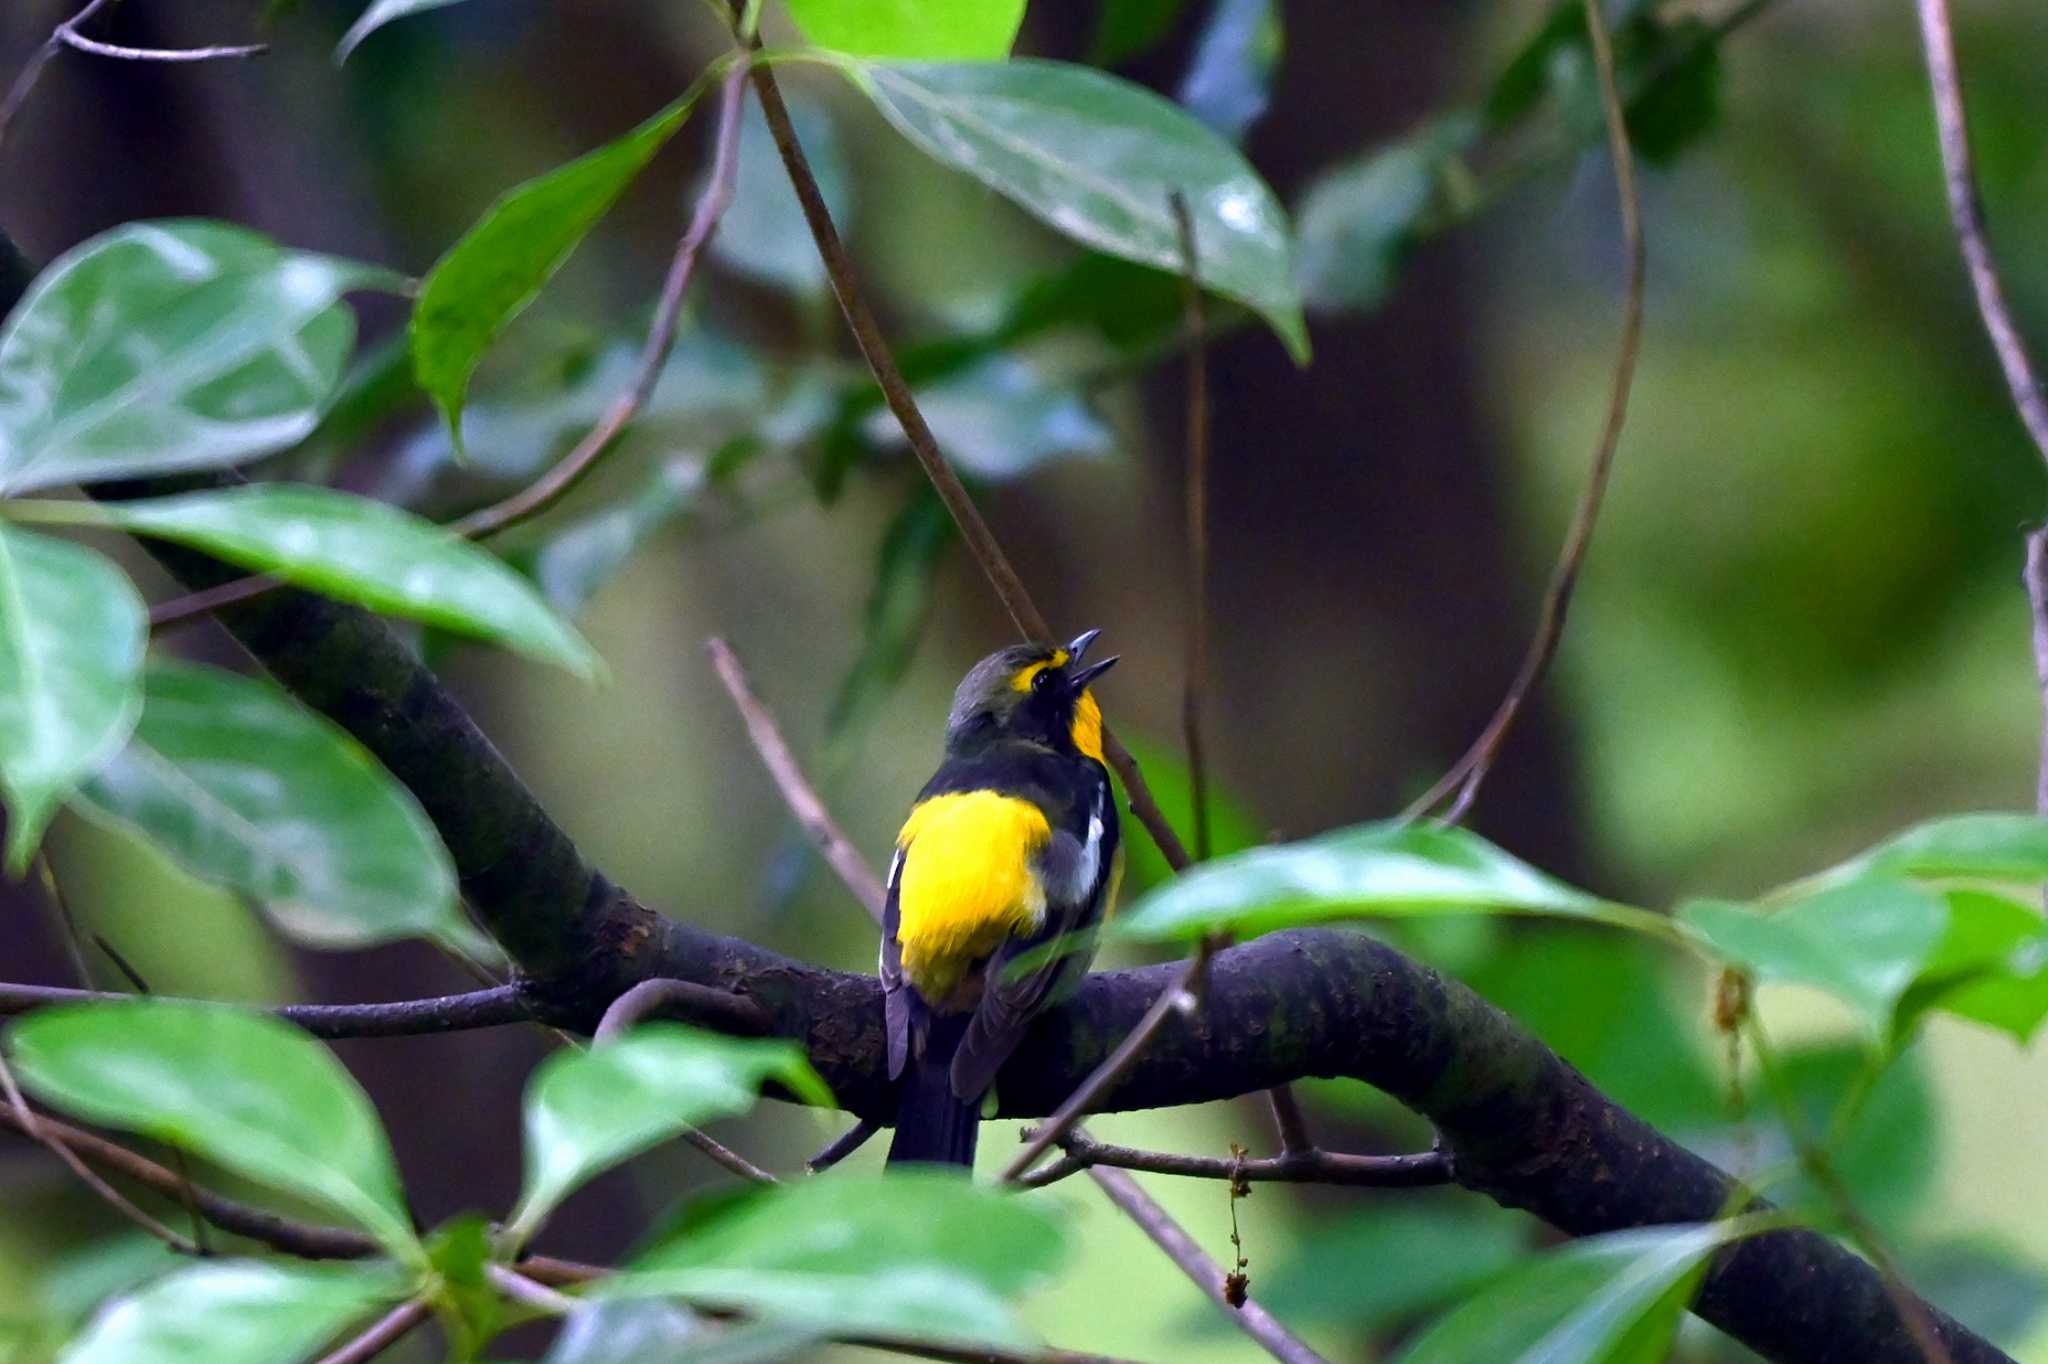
[1800, 625]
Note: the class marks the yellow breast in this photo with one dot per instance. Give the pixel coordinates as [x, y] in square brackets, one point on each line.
[966, 883]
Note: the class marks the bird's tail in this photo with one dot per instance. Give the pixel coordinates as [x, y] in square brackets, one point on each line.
[935, 1126]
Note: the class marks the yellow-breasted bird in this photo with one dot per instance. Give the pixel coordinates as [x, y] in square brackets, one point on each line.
[1012, 843]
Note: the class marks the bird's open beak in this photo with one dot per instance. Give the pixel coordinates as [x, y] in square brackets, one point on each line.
[1078, 678]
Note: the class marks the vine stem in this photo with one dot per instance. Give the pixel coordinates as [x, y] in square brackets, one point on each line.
[1461, 783]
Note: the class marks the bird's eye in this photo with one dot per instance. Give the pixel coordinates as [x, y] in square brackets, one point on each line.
[1041, 679]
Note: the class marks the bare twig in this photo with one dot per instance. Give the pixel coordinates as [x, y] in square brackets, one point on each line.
[802, 799]
[50, 1136]
[1179, 997]
[722, 1009]
[843, 1145]
[72, 38]
[387, 1331]
[1289, 1121]
[74, 940]
[1195, 680]
[1469, 771]
[1424, 1169]
[981, 541]
[566, 472]
[504, 1004]
[528, 1292]
[1251, 1318]
[1966, 210]
[67, 34]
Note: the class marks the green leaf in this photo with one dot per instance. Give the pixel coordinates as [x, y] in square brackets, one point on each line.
[1997, 1292]
[248, 1092]
[1992, 846]
[1000, 419]
[1232, 825]
[165, 346]
[357, 550]
[1613, 1299]
[1863, 942]
[912, 30]
[1385, 868]
[1383, 1263]
[472, 1310]
[378, 14]
[588, 553]
[72, 633]
[245, 787]
[1360, 221]
[1096, 158]
[1230, 77]
[500, 265]
[588, 1110]
[232, 1312]
[929, 1255]
[763, 235]
[1991, 967]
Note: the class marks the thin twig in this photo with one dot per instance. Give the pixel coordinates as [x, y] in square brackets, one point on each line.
[1289, 1120]
[49, 1136]
[74, 939]
[497, 1007]
[303, 1239]
[1195, 679]
[1178, 997]
[66, 35]
[528, 1292]
[1425, 1169]
[1966, 210]
[723, 1009]
[1469, 771]
[802, 799]
[568, 471]
[1251, 1318]
[387, 1331]
[72, 38]
[843, 1145]
[980, 540]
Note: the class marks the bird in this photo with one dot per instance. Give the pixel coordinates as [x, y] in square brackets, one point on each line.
[1009, 858]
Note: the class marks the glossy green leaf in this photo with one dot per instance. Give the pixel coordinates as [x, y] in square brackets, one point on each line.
[1360, 220]
[359, 550]
[72, 633]
[232, 1312]
[1097, 158]
[165, 346]
[912, 30]
[1386, 868]
[378, 14]
[1991, 967]
[589, 552]
[588, 1110]
[245, 787]
[1613, 1299]
[928, 1255]
[763, 235]
[1991, 846]
[74, 1283]
[246, 1091]
[1230, 77]
[1000, 419]
[1863, 942]
[500, 265]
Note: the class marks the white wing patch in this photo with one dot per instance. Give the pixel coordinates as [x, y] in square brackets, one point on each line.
[1087, 868]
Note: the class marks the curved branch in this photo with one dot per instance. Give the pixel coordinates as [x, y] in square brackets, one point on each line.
[493, 1008]
[1309, 1165]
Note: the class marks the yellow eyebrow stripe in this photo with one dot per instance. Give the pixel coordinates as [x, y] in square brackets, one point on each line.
[1022, 681]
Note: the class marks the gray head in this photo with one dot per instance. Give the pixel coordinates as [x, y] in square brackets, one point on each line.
[1034, 692]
